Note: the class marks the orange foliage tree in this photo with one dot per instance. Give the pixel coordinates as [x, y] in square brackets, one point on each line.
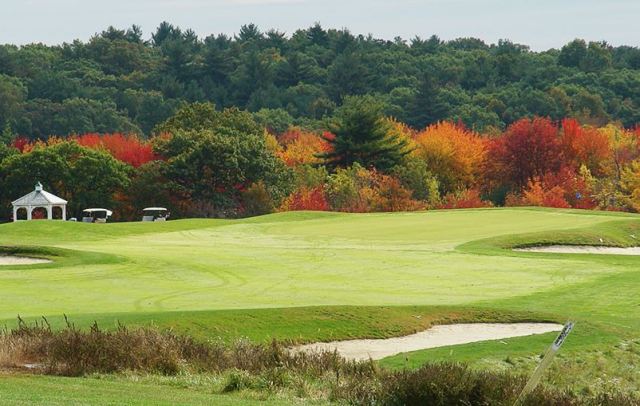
[464, 199]
[584, 146]
[301, 147]
[359, 190]
[452, 153]
[562, 189]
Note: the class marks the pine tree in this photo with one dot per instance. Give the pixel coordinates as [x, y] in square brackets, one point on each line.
[362, 136]
[426, 107]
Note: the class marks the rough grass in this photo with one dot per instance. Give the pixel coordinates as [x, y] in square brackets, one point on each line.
[269, 368]
[298, 324]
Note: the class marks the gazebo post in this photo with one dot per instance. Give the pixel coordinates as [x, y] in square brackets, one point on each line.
[64, 212]
[15, 213]
[29, 209]
[49, 212]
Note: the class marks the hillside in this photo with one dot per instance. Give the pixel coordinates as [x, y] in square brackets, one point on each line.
[127, 81]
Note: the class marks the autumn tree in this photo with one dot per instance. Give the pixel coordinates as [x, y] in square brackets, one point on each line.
[584, 146]
[530, 148]
[129, 149]
[300, 147]
[453, 155]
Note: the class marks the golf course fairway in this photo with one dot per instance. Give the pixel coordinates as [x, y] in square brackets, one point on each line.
[306, 277]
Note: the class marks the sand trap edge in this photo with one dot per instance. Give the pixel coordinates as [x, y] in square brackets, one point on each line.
[437, 336]
[7, 260]
[581, 249]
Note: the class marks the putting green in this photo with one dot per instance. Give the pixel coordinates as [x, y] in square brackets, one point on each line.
[295, 259]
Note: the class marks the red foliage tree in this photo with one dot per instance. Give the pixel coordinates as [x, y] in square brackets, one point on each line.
[20, 143]
[529, 148]
[126, 148]
[306, 199]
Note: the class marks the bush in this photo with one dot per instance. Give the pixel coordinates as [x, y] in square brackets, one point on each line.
[466, 199]
[256, 200]
[245, 365]
[306, 199]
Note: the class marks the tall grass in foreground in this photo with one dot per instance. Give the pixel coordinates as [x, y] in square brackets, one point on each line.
[267, 367]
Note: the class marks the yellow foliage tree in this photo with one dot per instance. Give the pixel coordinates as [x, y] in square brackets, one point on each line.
[453, 154]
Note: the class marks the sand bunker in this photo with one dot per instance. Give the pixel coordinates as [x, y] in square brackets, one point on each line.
[13, 260]
[582, 249]
[437, 336]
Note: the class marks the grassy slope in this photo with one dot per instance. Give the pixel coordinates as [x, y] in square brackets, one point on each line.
[50, 391]
[184, 274]
[282, 261]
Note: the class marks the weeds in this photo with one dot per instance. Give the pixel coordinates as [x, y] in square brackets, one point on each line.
[269, 368]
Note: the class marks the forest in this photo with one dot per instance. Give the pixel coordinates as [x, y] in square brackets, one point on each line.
[318, 120]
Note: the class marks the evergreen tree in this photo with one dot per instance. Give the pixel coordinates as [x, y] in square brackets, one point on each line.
[362, 136]
[426, 106]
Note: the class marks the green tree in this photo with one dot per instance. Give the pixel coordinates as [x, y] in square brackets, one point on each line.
[597, 58]
[416, 177]
[573, 53]
[12, 95]
[275, 121]
[362, 136]
[212, 157]
[426, 106]
[191, 117]
[6, 135]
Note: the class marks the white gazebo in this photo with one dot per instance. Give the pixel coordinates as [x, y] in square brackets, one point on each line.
[39, 198]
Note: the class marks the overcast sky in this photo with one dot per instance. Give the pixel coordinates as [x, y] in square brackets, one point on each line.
[542, 24]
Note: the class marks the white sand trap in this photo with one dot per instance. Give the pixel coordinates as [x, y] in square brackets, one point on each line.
[437, 336]
[13, 260]
[582, 249]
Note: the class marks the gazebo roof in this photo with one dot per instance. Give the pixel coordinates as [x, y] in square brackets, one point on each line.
[38, 197]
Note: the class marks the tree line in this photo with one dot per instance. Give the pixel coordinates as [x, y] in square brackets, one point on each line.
[118, 81]
[209, 162]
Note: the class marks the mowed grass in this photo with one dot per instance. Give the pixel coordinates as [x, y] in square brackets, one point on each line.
[325, 276]
[105, 390]
[287, 260]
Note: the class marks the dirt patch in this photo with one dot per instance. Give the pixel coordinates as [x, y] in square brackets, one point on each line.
[582, 249]
[437, 336]
[13, 260]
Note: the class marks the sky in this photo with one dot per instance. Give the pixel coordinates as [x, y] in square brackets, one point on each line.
[541, 24]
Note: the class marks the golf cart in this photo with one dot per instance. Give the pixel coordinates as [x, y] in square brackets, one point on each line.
[155, 214]
[96, 215]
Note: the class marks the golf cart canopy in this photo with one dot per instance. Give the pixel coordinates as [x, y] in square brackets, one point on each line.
[108, 213]
[155, 209]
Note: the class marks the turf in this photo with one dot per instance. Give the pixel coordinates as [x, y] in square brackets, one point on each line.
[322, 276]
[286, 260]
[50, 391]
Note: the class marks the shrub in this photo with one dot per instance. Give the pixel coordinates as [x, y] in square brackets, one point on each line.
[306, 199]
[466, 199]
[257, 200]
[246, 365]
